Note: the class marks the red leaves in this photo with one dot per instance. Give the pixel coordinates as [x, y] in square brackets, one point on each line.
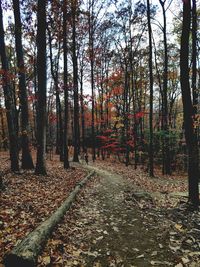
[130, 143]
[7, 75]
[138, 115]
[102, 138]
[32, 98]
[52, 118]
[107, 132]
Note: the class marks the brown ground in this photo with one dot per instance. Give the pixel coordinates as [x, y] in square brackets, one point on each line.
[109, 225]
[27, 199]
[122, 217]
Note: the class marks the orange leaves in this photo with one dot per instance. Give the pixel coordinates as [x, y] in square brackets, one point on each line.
[117, 91]
[173, 75]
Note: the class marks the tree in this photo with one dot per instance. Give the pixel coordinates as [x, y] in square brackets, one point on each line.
[91, 55]
[27, 162]
[8, 95]
[74, 8]
[151, 93]
[42, 81]
[54, 41]
[165, 123]
[188, 109]
[195, 92]
[65, 136]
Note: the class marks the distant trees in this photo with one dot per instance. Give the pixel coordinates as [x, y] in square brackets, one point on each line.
[109, 85]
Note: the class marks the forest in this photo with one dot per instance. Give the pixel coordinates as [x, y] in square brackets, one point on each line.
[91, 90]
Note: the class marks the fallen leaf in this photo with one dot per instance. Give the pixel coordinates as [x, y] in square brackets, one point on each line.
[46, 260]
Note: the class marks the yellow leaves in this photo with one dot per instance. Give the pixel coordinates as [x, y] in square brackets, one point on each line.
[179, 227]
[97, 264]
[46, 260]
[117, 118]
[179, 120]
[119, 125]
[196, 121]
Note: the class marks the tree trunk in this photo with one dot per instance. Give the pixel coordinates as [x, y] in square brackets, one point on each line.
[91, 49]
[195, 91]
[27, 162]
[8, 95]
[151, 170]
[75, 82]
[54, 72]
[188, 109]
[65, 136]
[82, 111]
[41, 74]
[3, 133]
[166, 151]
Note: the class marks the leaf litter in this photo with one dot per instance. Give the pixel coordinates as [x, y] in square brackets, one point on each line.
[105, 227]
[27, 200]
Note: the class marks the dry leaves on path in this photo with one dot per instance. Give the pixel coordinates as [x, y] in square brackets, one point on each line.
[143, 182]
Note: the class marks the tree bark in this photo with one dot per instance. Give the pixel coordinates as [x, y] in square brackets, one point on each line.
[82, 110]
[151, 152]
[41, 74]
[91, 51]
[65, 136]
[75, 82]
[27, 162]
[188, 109]
[8, 95]
[54, 73]
[166, 151]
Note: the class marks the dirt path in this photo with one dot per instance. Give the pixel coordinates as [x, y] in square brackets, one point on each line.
[106, 228]
[125, 235]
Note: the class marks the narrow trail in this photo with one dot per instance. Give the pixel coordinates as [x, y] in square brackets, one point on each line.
[110, 230]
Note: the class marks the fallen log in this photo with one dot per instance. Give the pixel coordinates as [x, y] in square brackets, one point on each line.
[25, 254]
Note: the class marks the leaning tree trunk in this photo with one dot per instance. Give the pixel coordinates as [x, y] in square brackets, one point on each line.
[41, 74]
[8, 95]
[27, 162]
[188, 109]
[25, 254]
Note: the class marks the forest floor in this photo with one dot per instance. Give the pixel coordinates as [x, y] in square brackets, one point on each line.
[26, 199]
[122, 217]
[123, 220]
